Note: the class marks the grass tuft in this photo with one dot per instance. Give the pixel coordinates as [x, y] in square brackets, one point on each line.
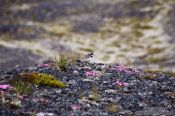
[95, 94]
[62, 63]
[20, 86]
[111, 107]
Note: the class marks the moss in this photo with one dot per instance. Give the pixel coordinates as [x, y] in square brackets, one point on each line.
[103, 35]
[39, 51]
[155, 50]
[161, 71]
[58, 30]
[149, 76]
[105, 58]
[137, 33]
[120, 55]
[42, 79]
[80, 42]
[115, 44]
[154, 60]
[152, 71]
[137, 46]
[143, 27]
[157, 41]
[86, 49]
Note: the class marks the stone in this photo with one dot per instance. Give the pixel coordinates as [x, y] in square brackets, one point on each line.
[75, 72]
[126, 113]
[110, 91]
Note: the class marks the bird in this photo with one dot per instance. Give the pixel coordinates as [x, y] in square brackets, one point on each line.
[86, 56]
[77, 56]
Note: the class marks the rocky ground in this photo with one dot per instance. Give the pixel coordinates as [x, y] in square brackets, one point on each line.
[92, 89]
[135, 32]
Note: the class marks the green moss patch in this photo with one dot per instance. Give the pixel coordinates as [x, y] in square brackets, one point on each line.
[86, 49]
[154, 60]
[42, 79]
[155, 50]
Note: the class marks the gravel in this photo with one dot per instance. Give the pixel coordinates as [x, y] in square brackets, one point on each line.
[97, 95]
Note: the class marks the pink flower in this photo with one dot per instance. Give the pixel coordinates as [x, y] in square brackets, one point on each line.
[121, 68]
[5, 86]
[21, 97]
[43, 65]
[76, 107]
[125, 84]
[90, 73]
[118, 83]
[121, 83]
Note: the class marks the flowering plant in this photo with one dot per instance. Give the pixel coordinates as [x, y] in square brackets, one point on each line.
[118, 83]
[91, 73]
[5, 86]
[43, 65]
[121, 68]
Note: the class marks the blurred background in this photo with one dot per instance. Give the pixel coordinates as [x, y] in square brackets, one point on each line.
[137, 33]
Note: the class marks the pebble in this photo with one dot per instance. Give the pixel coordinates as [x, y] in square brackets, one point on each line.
[75, 72]
[72, 82]
[126, 113]
[45, 114]
[110, 91]
[107, 75]
[88, 80]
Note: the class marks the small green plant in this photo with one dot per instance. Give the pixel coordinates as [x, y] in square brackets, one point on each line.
[111, 107]
[62, 63]
[95, 94]
[149, 76]
[15, 103]
[12, 103]
[2, 99]
[160, 71]
[20, 86]
[42, 79]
